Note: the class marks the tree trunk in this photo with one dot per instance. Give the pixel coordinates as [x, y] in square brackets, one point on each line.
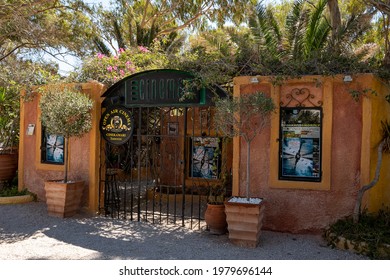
[248, 168]
[66, 155]
[335, 17]
[357, 209]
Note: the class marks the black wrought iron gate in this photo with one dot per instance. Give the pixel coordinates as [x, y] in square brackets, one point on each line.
[164, 172]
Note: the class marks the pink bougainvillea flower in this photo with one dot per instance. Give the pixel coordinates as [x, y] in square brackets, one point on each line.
[121, 50]
[115, 68]
[100, 55]
[128, 63]
[121, 72]
[109, 68]
[143, 49]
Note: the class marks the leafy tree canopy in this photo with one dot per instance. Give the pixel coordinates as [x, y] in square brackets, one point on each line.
[139, 23]
[43, 26]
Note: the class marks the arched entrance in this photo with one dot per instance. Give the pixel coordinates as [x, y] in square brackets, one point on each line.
[160, 153]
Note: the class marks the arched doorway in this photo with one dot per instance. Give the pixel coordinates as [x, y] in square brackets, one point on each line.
[160, 153]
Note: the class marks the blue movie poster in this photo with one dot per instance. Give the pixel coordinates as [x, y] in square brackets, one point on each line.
[300, 144]
[54, 148]
[205, 157]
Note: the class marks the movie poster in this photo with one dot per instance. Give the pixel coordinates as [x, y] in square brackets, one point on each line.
[205, 157]
[300, 144]
[54, 148]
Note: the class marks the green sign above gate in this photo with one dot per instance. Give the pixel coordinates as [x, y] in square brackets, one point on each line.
[154, 88]
[158, 88]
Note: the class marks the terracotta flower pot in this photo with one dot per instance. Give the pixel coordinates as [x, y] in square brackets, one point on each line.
[216, 218]
[8, 166]
[244, 222]
[63, 199]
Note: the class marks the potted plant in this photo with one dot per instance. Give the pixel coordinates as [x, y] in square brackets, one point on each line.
[65, 112]
[215, 216]
[245, 116]
[9, 125]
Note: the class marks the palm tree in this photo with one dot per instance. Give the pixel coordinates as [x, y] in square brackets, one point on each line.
[304, 42]
[305, 33]
[136, 25]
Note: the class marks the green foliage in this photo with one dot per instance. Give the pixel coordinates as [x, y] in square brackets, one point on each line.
[27, 27]
[65, 111]
[219, 191]
[141, 23]
[110, 69]
[216, 194]
[373, 229]
[386, 136]
[243, 116]
[17, 75]
[208, 67]
[356, 94]
[9, 119]
[302, 44]
[6, 192]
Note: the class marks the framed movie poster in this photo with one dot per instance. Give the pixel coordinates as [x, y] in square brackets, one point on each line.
[205, 157]
[300, 144]
[52, 148]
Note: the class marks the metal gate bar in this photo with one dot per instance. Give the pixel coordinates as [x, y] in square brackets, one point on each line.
[149, 178]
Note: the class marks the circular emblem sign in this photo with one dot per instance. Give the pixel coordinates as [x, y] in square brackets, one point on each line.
[117, 125]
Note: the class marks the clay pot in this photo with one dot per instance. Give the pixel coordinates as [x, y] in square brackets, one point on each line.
[8, 166]
[216, 218]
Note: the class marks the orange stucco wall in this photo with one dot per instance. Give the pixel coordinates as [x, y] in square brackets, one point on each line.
[379, 196]
[309, 206]
[82, 151]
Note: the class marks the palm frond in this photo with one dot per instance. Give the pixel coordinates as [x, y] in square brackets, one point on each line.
[274, 25]
[296, 22]
[318, 29]
[267, 31]
[322, 32]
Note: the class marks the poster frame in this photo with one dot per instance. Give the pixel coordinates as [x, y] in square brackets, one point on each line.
[316, 157]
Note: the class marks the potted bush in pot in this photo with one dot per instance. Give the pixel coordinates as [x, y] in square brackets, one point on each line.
[65, 112]
[9, 126]
[215, 216]
[245, 116]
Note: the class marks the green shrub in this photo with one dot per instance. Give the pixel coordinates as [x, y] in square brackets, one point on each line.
[372, 228]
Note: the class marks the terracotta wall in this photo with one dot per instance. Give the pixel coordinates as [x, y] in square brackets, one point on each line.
[82, 157]
[309, 206]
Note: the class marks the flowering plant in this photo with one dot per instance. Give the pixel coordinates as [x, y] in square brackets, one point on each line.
[110, 69]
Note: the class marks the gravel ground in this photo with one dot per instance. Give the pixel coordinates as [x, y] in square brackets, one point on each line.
[27, 232]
